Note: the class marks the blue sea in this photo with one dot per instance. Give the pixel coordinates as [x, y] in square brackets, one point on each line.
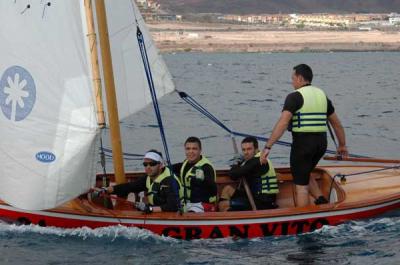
[245, 92]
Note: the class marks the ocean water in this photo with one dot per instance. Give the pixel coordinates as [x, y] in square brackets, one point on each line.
[246, 93]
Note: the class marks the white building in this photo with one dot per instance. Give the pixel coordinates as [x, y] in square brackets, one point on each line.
[394, 19]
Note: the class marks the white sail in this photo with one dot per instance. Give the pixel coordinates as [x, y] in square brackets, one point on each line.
[47, 119]
[130, 78]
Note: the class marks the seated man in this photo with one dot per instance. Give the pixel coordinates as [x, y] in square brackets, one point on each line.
[197, 176]
[161, 191]
[261, 179]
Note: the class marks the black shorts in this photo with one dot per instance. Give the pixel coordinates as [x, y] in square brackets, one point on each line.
[307, 149]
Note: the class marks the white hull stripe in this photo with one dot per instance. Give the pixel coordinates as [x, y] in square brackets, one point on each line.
[179, 222]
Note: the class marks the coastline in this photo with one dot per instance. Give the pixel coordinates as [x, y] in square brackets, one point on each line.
[203, 37]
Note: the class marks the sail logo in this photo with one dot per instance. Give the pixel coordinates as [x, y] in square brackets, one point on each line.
[17, 93]
[45, 157]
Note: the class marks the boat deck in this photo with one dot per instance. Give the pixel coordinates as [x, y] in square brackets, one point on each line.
[361, 196]
[365, 189]
[358, 191]
[372, 186]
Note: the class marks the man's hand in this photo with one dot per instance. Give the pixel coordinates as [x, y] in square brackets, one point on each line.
[342, 151]
[141, 206]
[99, 192]
[264, 156]
[237, 159]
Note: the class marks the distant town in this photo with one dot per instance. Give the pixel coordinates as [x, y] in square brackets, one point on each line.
[153, 12]
[270, 32]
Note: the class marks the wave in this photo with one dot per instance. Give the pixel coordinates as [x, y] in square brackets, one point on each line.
[369, 226]
[111, 232]
[347, 230]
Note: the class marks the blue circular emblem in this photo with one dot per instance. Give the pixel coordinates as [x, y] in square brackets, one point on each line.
[17, 93]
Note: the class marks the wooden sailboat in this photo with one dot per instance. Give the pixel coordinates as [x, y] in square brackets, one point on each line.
[52, 116]
[361, 196]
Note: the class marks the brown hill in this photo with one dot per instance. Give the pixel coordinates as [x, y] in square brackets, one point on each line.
[280, 6]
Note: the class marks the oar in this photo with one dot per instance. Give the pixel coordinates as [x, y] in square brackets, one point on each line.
[243, 179]
[249, 194]
[361, 159]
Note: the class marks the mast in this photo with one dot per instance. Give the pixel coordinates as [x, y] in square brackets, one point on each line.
[110, 92]
[95, 63]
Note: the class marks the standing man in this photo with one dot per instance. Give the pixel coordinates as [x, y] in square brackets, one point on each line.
[157, 183]
[261, 178]
[306, 113]
[197, 176]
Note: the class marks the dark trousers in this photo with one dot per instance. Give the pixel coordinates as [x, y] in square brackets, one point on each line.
[307, 149]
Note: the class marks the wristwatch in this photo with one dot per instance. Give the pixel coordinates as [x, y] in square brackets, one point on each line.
[267, 147]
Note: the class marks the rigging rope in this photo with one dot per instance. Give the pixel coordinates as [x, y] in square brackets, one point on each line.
[191, 101]
[127, 156]
[103, 161]
[152, 92]
[150, 82]
[369, 171]
[332, 135]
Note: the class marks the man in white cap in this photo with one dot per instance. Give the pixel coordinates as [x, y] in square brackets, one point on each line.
[161, 190]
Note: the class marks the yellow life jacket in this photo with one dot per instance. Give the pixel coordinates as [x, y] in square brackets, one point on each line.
[191, 173]
[267, 183]
[312, 116]
[153, 188]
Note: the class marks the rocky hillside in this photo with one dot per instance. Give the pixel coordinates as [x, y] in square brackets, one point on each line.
[280, 6]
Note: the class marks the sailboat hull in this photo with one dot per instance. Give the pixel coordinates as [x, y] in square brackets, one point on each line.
[363, 196]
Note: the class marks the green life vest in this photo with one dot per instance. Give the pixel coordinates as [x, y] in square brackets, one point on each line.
[153, 188]
[267, 183]
[311, 117]
[191, 173]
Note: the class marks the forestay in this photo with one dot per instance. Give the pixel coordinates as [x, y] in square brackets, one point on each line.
[131, 85]
[47, 119]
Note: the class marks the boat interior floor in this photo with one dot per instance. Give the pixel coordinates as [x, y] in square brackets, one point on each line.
[285, 198]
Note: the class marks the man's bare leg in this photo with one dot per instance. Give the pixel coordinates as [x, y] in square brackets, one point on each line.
[226, 194]
[316, 192]
[314, 188]
[302, 197]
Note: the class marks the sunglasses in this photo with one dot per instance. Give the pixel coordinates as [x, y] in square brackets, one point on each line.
[152, 164]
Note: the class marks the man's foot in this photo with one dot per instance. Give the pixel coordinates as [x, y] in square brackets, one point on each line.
[321, 200]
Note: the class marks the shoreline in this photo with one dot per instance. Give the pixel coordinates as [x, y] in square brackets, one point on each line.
[196, 37]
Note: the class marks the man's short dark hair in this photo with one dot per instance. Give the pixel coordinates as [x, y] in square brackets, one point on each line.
[251, 139]
[305, 71]
[193, 139]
